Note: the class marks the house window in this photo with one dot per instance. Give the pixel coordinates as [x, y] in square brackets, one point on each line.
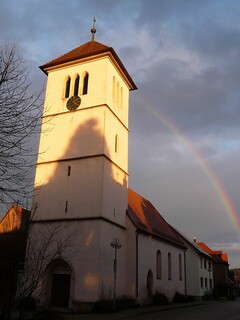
[180, 267]
[205, 264]
[67, 87]
[209, 266]
[201, 264]
[206, 283]
[201, 282]
[169, 266]
[85, 83]
[159, 264]
[76, 85]
[116, 143]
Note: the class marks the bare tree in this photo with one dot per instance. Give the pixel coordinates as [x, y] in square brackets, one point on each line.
[30, 248]
[20, 111]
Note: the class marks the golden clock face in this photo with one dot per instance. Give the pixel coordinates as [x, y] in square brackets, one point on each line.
[73, 103]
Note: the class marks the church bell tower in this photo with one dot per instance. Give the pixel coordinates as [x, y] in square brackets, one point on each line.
[82, 166]
[81, 181]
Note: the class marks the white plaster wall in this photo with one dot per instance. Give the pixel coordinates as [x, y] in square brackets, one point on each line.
[148, 247]
[205, 274]
[192, 272]
[82, 189]
[90, 257]
[131, 258]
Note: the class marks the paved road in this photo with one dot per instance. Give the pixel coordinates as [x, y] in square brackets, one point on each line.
[222, 310]
[214, 310]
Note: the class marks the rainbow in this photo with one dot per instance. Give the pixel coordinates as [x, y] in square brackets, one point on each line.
[208, 171]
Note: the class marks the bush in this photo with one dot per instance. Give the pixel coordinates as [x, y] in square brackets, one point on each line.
[159, 299]
[47, 315]
[103, 306]
[107, 305]
[26, 303]
[126, 302]
[180, 298]
[190, 298]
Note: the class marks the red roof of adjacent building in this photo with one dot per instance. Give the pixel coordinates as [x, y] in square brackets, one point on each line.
[88, 49]
[146, 218]
[217, 255]
[13, 235]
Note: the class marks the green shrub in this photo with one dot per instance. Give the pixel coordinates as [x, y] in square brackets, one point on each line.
[107, 305]
[159, 299]
[103, 306]
[180, 298]
[126, 302]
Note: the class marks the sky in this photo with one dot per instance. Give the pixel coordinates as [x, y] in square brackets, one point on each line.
[183, 55]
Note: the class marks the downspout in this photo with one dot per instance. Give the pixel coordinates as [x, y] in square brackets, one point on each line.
[137, 233]
[185, 273]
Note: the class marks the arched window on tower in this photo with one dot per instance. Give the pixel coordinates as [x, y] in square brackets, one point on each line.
[121, 101]
[116, 143]
[159, 264]
[114, 90]
[67, 87]
[169, 266]
[118, 94]
[85, 83]
[76, 85]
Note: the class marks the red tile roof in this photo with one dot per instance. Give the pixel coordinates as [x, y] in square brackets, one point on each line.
[146, 218]
[13, 235]
[88, 49]
[217, 255]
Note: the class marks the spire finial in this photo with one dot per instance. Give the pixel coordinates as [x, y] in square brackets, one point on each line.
[93, 30]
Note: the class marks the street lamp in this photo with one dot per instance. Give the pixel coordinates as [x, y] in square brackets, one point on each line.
[116, 245]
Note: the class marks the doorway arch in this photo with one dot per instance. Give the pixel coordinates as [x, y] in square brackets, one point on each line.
[59, 276]
[150, 284]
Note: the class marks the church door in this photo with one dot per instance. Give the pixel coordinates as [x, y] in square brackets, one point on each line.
[150, 284]
[60, 290]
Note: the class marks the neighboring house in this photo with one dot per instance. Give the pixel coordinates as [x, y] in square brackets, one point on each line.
[13, 239]
[199, 269]
[220, 268]
[155, 255]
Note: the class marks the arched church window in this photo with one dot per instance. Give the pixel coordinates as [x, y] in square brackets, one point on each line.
[169, 266]
[67, 87]
[85, 83]
[76, 85]
[159, 264]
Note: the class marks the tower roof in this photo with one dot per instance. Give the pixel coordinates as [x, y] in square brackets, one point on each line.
[87, 50]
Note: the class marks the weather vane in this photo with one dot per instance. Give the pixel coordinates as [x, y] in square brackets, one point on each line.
[93, 30]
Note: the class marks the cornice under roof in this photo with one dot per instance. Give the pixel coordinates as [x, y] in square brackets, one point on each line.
[88, 49]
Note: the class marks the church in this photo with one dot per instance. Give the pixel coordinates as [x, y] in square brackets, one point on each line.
[112, 239]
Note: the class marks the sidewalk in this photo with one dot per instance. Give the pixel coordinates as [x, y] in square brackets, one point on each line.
[128, 313]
